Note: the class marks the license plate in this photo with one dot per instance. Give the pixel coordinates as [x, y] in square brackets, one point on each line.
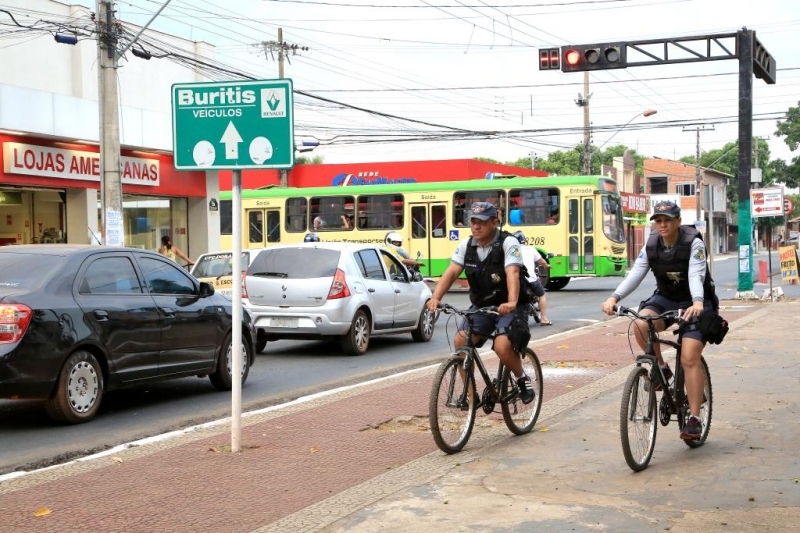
[283, 323]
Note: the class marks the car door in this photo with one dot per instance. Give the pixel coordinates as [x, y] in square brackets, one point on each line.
[406, 293]
[190, 324]
[123, 316]
[380, 289]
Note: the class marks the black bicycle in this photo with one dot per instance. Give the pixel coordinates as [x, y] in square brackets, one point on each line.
[454, 399]
[640, 409]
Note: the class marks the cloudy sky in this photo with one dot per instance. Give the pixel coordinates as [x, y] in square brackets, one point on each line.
[442, 79]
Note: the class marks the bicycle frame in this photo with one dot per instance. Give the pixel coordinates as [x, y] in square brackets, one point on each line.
[472, 357]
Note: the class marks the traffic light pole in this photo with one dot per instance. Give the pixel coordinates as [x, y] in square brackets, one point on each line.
[745, 239]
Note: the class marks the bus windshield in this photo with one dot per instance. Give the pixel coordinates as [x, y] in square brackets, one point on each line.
[612, 218]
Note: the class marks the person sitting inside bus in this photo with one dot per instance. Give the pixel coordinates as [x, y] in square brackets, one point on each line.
[553, 219]
[321, 222]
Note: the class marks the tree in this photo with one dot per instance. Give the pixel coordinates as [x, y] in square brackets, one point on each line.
[303, 160]
[563, 163]
[606, 157]
[790, 129]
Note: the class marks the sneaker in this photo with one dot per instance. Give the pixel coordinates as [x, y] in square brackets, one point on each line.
[526, 393]
[692, 429]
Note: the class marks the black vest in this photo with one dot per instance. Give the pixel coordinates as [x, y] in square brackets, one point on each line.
[671, 268]
[487, 279]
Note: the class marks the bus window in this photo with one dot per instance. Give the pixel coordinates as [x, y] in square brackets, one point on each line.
[226, 217]
[532, 207]
[255, 223]
[588, 215]
[380, 211]
[296, 210]
[462, 200]
[439, 221]
[329, 213]
[419, 227]
[273, 226]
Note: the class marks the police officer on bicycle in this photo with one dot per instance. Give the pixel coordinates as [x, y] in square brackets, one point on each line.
[677, 256]
[493, 263]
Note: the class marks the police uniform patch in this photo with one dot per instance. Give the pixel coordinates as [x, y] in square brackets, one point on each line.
[700, 255]
[496, 278]
[641, 254]
[515, 253]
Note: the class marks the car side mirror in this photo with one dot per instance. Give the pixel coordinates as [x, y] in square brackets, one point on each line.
[206, 289]
[416, 276]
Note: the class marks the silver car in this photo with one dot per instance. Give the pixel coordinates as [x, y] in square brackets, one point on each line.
[330, 289]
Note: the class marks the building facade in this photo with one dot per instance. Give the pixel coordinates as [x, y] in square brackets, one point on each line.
[668, 177]
[50, 132]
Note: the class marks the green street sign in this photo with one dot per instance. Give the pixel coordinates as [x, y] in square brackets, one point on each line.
[233, 125]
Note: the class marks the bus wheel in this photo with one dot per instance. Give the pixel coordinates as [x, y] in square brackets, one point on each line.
[556, 284]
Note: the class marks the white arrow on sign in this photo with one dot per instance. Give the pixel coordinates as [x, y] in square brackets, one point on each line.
[231, 140]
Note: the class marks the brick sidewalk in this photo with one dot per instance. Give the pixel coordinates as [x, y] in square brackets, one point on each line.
[293, 457]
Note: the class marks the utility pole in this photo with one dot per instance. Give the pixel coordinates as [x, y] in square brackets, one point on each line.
[110, 176]
[583, 101]
[283, 49]
[698, 189]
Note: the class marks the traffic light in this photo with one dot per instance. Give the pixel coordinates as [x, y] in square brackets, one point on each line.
[593, 57]
[549, 59]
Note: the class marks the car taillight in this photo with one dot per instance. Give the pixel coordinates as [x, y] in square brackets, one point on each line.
[14, 320]
[244, 290]
[339, 288]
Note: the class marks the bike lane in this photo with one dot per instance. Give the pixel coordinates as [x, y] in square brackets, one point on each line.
[308, 463]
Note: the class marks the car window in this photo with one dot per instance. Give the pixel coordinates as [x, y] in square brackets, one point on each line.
[165, 277]
[21, 270]
[396, 270]
[295, 263]
[370, 264]
[110, 275]
[213, 265]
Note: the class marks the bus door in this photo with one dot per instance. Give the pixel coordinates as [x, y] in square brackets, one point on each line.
[262, 226]
[430, 236]
[581, 236]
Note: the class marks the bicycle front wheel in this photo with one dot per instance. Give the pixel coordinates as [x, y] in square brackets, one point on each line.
[705, 407]
[451, 412]
[520, 417]
[638, 420]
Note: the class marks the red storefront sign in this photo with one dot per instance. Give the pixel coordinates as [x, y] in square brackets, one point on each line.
[635, 203]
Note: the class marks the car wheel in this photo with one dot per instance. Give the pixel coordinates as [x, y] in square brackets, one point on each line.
[424, 330]
[222, 377]
[79, 390]
[261, 341]
[356, 341]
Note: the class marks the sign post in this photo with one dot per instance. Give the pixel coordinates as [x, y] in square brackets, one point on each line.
[766, 202]
[234, 125]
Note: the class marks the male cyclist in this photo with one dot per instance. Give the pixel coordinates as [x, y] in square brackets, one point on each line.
[531, 257]
[493, 263]
[677, 256]
[394, 241]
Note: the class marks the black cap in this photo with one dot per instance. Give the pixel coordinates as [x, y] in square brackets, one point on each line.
[666, 208]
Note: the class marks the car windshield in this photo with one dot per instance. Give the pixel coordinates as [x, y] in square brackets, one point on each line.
[26, 271]
[295, 263]
[213, 265]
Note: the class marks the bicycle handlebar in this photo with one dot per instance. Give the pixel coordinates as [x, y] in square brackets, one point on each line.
[449, 309]
[621, 310]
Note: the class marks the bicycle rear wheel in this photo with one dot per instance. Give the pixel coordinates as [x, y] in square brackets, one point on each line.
[451, 419]
[638, 420]
[519, 417]
[705, 408]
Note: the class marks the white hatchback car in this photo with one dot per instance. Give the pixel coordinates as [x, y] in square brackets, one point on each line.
[330, 289]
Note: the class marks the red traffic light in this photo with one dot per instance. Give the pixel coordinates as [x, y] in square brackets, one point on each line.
[581, 57]
[572, 57]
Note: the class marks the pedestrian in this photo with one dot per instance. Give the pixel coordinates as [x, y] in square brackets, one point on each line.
[167, 249]
[533, 259]
[493, 263]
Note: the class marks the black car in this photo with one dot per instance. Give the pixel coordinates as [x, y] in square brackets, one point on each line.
[79, 321]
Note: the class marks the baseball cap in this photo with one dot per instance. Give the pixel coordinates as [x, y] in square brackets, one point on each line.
[483, 211]
[666, 208]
